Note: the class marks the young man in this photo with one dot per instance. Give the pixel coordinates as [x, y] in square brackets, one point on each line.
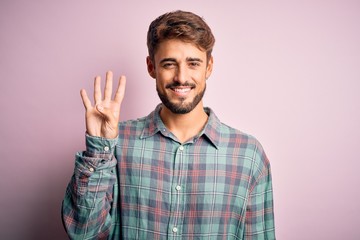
[178, 173]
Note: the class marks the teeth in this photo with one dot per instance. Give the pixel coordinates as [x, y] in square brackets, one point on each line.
[182, 90]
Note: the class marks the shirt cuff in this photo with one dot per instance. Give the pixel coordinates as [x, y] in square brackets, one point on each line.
[99, 147]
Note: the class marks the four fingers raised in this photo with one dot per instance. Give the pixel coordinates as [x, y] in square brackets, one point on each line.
[104, 126]
[119, 94]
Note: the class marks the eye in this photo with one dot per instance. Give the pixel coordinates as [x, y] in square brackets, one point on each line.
[194, 64]
[168, 65]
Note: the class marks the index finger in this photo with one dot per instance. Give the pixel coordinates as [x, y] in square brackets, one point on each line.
[120, 92]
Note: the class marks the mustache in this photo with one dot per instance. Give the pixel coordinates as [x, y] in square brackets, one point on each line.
[177, 84]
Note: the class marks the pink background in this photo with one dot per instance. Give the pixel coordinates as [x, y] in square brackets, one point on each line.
[287, 72]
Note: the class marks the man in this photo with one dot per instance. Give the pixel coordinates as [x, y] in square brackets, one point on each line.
[178, 173]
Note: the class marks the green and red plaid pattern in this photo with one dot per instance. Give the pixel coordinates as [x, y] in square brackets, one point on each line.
[147, 185]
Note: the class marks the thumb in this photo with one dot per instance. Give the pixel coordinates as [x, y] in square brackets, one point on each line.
[106, 112]
[100, 108]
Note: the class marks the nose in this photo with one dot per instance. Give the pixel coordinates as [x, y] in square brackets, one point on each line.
[181, 75]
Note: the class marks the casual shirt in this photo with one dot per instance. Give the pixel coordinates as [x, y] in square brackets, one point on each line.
[147, 185]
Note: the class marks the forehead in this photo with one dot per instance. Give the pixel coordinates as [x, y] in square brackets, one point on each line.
[178, 49]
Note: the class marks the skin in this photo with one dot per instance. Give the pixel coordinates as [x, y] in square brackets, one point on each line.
[175, 63]
[102, 118]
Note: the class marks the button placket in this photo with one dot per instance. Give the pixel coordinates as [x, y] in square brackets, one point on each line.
[179, 155]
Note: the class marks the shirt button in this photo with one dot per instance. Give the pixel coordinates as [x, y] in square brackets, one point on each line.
[106, 148]
[91, 169]
[178, 187]
[175, 229]
[181, 148]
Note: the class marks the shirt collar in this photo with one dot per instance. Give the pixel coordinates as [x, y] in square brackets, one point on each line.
[154, 124]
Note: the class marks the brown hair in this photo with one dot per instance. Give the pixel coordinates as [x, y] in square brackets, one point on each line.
[185, 26]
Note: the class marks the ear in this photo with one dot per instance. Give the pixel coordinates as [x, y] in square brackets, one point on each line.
[150, 67]
[209, 67]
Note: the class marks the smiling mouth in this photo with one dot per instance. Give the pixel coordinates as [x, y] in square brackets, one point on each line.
[181, 90]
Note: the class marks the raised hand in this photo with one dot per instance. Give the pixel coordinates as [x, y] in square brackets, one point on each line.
[102, 118]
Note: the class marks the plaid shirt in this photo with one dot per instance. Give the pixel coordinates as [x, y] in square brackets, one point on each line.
[147, 185]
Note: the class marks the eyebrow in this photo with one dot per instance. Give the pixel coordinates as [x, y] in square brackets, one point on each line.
[168, 60]
[188, 59]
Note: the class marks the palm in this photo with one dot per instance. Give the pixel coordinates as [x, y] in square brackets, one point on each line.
[102, 118]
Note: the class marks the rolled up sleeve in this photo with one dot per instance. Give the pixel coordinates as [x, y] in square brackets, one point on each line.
[86, 208]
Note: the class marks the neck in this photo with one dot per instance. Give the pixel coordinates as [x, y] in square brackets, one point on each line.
[185, 126]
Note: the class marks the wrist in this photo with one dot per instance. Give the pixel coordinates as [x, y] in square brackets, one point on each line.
[100, 145]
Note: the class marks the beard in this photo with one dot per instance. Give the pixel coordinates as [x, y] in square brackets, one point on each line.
[182, 107]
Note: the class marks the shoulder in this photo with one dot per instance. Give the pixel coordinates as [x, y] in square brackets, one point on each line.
[233, 141]
[243, 145]
[233, 137]
[133, 127]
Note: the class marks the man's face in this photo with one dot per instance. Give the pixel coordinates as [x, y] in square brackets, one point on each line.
[180, 70]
